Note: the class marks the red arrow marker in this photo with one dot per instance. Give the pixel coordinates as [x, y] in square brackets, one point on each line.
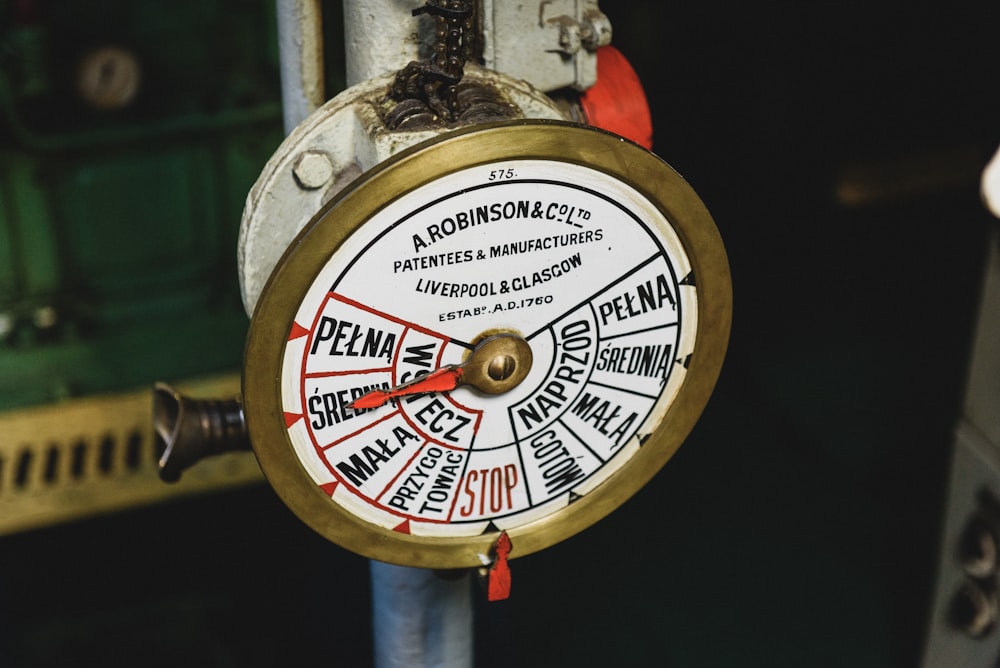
[499, 578]
[444, 379]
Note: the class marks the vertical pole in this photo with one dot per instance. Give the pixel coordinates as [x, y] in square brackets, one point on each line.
[380, 36]
[421, 619]
[300, 48]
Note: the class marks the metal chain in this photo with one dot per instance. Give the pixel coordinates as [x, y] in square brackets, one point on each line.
[430, 92]
[434, 81]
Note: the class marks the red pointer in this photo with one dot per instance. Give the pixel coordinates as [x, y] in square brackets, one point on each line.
[444, 379]
[496, 366]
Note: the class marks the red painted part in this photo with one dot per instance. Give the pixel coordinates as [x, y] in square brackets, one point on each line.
[442, 380]
[297, 331]
[617, 102]
[499, 578]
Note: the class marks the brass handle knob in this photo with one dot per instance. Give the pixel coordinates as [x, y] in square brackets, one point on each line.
[188, 430]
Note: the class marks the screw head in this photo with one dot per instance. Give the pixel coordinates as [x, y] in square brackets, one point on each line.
[501, 367]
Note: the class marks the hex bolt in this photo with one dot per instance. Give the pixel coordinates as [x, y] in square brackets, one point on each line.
[313, 169]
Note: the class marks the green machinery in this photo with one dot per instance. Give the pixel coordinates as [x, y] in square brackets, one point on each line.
[130, 134]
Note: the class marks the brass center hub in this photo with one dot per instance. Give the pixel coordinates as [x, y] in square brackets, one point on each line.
[498, 364]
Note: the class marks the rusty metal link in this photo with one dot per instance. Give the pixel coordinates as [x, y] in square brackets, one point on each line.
[430, 92]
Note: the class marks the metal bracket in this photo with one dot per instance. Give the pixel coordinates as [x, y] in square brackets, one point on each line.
[551, 44]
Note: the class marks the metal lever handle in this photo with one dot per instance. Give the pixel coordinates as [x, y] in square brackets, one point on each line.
[188, 430]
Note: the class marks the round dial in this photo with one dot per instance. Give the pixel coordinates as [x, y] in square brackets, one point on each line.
[509, 329]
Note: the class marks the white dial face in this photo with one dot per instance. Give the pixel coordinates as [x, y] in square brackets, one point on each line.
[578, 263]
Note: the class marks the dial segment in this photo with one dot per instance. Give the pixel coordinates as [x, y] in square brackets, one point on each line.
[583, 267]
[500, 254]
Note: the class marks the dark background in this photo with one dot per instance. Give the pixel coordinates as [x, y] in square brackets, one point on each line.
[798, 526]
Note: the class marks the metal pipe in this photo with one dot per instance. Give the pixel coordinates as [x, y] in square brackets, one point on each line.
[421, 618]
[300, 47]
[381, 36]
